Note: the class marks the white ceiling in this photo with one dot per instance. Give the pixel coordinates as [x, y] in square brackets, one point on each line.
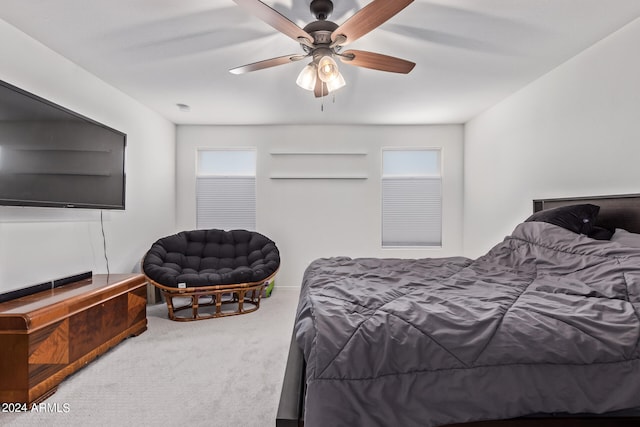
[470, 54]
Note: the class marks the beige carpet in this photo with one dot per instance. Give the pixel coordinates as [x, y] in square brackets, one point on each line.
[219, 372]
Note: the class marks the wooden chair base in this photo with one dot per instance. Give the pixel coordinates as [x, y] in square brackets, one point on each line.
[237, 300]
[215, 301]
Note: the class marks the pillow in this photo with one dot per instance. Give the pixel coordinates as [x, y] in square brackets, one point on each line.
[625, 238]
[577, 218]
[600, 233]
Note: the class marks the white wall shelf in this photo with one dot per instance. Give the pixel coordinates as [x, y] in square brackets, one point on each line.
[316, 153]
[317, 177]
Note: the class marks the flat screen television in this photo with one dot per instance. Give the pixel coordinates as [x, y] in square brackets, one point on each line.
[51, 156]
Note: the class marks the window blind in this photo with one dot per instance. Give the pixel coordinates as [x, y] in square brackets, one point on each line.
[226, 202]
[411, 211]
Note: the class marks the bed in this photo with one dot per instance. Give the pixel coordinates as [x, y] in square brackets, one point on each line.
[542, 330]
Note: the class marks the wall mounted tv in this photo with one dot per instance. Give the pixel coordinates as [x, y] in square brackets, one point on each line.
[51, 156]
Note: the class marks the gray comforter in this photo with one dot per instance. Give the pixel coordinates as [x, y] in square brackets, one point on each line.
[546, 321]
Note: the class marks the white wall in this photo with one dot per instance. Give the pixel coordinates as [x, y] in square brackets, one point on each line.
[573, 132]
[39, 244]
[312, 218]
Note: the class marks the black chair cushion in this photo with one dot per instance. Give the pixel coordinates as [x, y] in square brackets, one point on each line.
[201, 258]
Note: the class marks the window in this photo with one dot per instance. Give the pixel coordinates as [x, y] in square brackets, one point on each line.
[226, 189]
[411, 198]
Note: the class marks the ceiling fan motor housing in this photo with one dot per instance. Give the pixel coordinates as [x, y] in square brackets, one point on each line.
[321, 31]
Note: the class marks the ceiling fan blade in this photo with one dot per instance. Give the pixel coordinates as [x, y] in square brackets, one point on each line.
[275, 19]
[320, 89]
[368, 18]
[267, 63]
[376, 61]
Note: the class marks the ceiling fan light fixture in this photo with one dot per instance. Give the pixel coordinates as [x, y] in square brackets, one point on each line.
[336, 83]
[307, 77]
[324, 40]
[327, 69]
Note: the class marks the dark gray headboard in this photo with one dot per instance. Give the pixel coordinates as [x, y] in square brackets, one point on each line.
[621, 211]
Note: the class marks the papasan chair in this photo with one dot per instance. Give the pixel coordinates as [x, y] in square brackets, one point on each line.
[223, 270]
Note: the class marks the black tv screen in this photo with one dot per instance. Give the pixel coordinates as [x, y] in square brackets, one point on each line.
[51, 156]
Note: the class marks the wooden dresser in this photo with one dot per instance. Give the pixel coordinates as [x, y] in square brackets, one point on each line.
[47, 336]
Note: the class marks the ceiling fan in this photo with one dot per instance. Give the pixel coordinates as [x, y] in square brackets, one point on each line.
[323, 40]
